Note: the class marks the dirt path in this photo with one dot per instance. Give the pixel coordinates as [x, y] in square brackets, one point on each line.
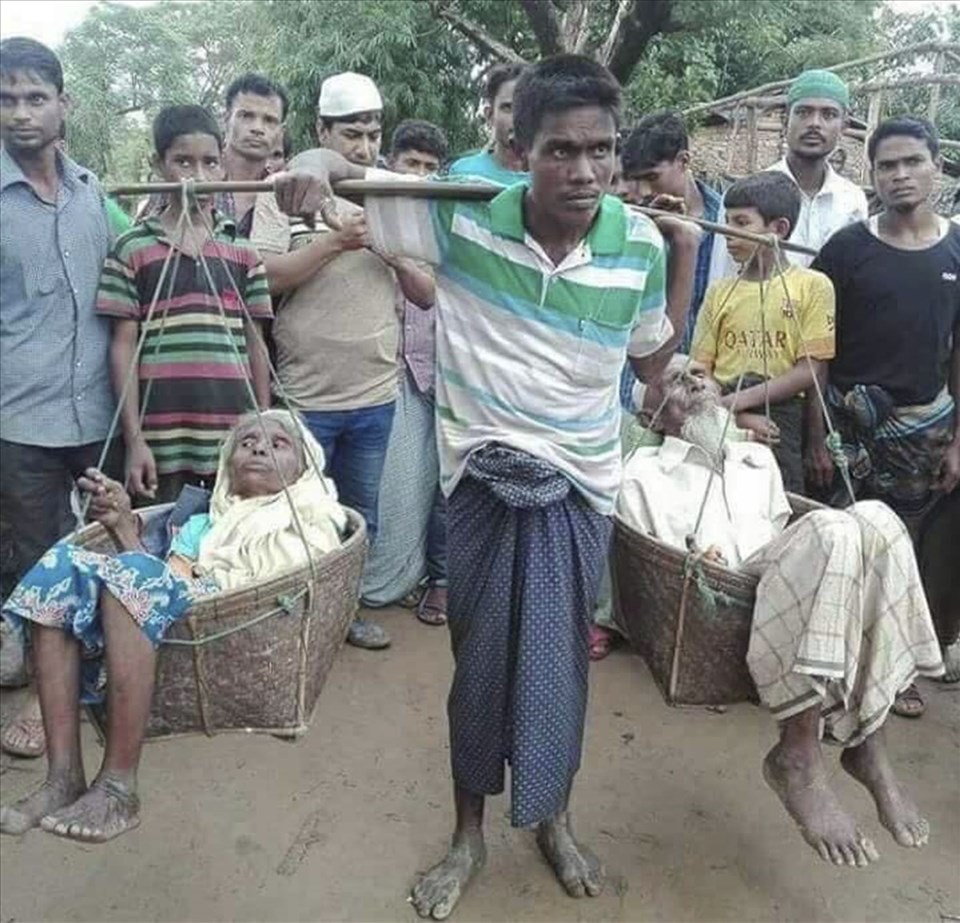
[335, 827]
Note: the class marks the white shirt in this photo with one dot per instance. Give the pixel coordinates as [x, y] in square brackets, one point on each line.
[663, 488]
[837, 204]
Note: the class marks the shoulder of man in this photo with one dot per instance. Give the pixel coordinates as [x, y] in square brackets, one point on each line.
[638, 228]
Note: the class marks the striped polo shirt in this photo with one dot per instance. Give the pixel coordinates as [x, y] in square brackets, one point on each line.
[529, 353]
[193, 364]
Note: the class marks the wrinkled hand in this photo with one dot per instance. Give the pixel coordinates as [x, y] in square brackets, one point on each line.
[141, 470]
[818, 465]
[678, 230]
[764, 430]
[352, 233]
[668, 203]
[109, 502]
[306, 194]
[948, 477]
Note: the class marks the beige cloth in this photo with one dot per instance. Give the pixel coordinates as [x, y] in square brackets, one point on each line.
[840, 618]
[258, 538]
[337, 335]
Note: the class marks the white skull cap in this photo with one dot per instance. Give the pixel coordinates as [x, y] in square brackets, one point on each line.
[346, 94]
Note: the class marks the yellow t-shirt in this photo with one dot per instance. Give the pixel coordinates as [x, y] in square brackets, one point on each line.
[728, 337]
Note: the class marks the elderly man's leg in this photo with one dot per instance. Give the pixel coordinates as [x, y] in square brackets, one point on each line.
[57, 662]
[794, 770]
[575, 865]
[111, 806]
[870, 765]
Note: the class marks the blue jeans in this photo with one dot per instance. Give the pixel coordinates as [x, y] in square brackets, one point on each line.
[354, 447]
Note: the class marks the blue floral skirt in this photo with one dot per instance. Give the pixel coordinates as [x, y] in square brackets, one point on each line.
[62, 590]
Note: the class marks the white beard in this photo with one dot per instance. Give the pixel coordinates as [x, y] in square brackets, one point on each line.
[705, 428]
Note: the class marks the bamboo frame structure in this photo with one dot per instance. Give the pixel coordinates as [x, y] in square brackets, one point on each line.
[432, 189]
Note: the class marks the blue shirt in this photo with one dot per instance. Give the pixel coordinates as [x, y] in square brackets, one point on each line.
[712, 203]
[54, 371]
[186, 541]
[484, 164]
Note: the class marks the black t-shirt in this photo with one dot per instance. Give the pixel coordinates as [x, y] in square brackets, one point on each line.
[898, 312]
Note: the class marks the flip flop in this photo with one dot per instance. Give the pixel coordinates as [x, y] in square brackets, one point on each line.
[429, 613]
[909, 703]
[32, 731]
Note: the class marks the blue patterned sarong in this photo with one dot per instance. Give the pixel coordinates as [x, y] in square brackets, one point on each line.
[525, 558]
[62, 590]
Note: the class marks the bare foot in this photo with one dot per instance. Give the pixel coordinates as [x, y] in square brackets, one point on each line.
[870, 766]
[106, 810]
[23, 736]
[801, 784]
[55, 793]
[576, 867]
[437, 893]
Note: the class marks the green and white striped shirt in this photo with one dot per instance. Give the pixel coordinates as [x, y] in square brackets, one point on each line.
[529, 354]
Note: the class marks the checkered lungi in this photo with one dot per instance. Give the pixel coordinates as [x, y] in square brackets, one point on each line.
[525, 556]
[840, 619]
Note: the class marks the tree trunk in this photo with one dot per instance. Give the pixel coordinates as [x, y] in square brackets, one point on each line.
[641, 21]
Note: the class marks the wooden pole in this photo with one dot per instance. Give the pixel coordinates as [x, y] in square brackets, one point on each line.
[938, 67]
[874, 110]
[752, 138]
[428, 189]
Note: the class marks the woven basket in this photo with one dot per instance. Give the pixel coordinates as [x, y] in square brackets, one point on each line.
[252, 659]
[690, 623]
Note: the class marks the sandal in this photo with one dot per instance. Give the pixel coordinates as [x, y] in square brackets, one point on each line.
[24, 737]
[601, 641]
[909, 703]
[428, 611]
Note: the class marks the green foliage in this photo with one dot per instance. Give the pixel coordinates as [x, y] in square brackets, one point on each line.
[122, 63]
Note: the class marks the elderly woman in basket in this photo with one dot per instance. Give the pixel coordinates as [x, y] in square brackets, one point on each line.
[269, 505]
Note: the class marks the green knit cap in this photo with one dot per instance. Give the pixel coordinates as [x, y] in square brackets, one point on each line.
[819, 84]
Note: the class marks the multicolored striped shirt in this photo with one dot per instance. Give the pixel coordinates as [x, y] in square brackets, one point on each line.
[194, 370]
[529, 353]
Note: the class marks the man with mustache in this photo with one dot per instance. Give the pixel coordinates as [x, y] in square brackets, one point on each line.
[840, 623]
[817, 110]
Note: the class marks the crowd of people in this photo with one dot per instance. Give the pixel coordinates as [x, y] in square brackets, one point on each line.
[467, 375]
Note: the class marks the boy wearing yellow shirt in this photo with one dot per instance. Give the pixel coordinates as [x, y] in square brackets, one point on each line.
[765, 324]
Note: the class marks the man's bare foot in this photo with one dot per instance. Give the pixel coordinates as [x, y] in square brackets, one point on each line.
[576, 867]
[55, 793]
[800, 782]
[436, 894]
[870, 766]
[107, 809]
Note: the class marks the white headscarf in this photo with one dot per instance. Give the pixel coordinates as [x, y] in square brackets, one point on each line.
[257, 538]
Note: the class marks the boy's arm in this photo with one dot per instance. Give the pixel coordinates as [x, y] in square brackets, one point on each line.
[259, 363]
[141, 467]
[791, 383]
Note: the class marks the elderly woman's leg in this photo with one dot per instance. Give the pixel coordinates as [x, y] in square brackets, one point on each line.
[57, 662]
[111, 806]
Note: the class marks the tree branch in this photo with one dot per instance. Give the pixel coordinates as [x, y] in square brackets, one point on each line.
[574, 26]
[641, 22]
[477, 34]
[543, 19]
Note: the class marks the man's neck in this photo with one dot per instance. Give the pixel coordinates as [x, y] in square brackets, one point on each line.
[809, 174]
[763, 266]
[506, 158]
[693, 199]
[918, 226]
[242, 169]
[557, 241]
[40, 168]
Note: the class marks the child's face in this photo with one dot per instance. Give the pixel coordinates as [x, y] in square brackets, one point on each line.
[749, 219]
[197, 157]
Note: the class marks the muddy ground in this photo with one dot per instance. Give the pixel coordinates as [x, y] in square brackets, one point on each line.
[336, 826]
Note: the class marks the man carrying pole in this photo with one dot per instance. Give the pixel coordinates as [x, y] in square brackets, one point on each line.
[542, 293]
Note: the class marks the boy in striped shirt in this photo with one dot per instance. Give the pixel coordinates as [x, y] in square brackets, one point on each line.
[542, 294]
[199, 368]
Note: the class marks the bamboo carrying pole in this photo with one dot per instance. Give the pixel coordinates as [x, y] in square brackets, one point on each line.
[427, 189]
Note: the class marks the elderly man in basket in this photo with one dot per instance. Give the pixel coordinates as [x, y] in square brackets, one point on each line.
[840, 623]
[271, 508]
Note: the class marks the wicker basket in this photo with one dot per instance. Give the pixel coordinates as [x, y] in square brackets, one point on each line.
[253, 659]
[690, 624]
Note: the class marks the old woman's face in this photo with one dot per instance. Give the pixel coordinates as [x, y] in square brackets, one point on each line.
[265, 457]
